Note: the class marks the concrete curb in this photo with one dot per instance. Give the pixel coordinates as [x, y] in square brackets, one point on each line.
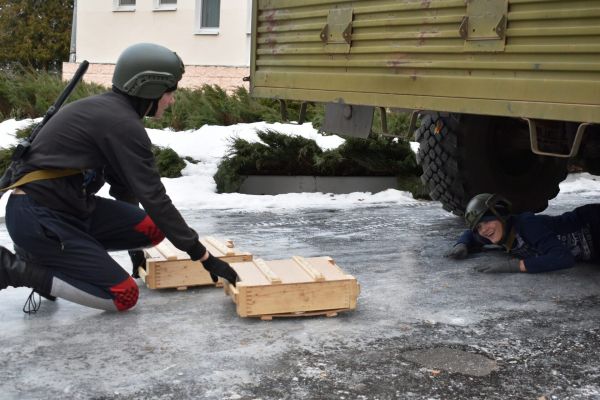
[277, 184]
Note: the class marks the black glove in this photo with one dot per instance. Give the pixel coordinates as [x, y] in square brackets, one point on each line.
[458, 252]
[138, 259]
[218, 267]
[504, 266]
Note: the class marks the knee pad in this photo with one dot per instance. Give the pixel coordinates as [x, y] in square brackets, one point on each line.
[149, 228]
[125, 294]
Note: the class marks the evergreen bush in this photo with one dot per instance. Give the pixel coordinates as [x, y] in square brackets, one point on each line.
[25, 132]
[279, 154]
[5, 158]
[27, 93]
[168, 162]
[211, 105]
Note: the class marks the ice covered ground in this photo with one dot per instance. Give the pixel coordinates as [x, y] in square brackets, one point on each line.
[541, 330]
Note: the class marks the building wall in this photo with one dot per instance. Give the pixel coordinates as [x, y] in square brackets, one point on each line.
[195, 76]
[104, 31]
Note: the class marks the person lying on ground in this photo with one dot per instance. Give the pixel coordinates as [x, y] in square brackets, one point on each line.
[535, 242]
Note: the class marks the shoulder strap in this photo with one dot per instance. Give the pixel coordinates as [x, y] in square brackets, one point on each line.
[42, 174]
[510, 241]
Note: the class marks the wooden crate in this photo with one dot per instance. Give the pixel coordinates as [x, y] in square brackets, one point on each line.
[169, 267]
[292, 287]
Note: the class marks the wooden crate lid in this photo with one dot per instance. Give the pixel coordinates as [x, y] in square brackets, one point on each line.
[295, 270]
[218, 248]
[165, 250]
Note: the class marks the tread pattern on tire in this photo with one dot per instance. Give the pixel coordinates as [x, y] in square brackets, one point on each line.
[444, 174]
[437, 156]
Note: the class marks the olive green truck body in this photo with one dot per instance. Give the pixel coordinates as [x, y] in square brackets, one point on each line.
[413, 54]
[532, 60]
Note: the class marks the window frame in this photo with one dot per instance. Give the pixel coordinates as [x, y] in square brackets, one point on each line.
[249, 18]
[117, 6]
[158, 6]
[199, 30]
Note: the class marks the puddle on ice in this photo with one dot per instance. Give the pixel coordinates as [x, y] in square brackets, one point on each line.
[452, 360]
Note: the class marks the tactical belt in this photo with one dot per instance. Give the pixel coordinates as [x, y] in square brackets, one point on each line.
[42, 174]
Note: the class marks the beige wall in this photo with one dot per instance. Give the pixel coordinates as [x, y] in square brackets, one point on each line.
[195, 76]
[103, 33]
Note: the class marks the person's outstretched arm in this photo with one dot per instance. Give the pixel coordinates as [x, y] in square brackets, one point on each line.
[468, 242]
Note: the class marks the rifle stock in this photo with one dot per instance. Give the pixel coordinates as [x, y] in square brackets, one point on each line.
[24, 145]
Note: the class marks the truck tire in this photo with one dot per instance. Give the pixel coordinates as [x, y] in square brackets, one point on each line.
[464, 155]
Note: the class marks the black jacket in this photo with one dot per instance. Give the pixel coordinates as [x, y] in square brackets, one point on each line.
[104, 137]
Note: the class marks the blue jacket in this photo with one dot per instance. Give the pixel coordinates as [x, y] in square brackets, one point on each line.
[547, 243]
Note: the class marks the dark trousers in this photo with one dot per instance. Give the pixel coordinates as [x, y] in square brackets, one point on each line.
[590, 215]
[75, 250]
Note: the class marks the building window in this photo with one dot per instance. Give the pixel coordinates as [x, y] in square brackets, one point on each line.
[249, 17]
[161, 5]
[208, 16]
[123, 5]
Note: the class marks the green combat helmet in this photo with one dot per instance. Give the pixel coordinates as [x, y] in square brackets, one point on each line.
[147, 71]
[487, 205]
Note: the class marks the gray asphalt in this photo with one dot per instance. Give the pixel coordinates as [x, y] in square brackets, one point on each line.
[425, 328]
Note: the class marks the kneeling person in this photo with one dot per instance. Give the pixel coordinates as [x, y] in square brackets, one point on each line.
[62, 232]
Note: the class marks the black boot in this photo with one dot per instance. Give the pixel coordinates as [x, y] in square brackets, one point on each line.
[138, 260]
[16, 272]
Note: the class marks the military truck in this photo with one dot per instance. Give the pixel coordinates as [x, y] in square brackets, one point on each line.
[503, 92]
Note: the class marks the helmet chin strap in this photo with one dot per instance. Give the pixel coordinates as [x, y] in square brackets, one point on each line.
[508, 238]
[152, 108]
[143, 107]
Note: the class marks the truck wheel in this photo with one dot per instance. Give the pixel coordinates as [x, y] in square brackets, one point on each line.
[464, 155]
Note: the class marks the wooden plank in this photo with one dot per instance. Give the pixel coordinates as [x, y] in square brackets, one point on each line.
[266, 271]
[305, 265]
[249, 274]
[142, 273]
[149, 277]
[226, 250]
[153, 253]
[236, 258]
[180, 273]
[289, 271]
[327, 313]
[168, 251]
[223, 249]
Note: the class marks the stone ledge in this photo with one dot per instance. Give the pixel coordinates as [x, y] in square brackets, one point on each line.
[279, 184]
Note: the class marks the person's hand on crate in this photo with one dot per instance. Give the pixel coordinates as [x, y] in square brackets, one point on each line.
[218, 267]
